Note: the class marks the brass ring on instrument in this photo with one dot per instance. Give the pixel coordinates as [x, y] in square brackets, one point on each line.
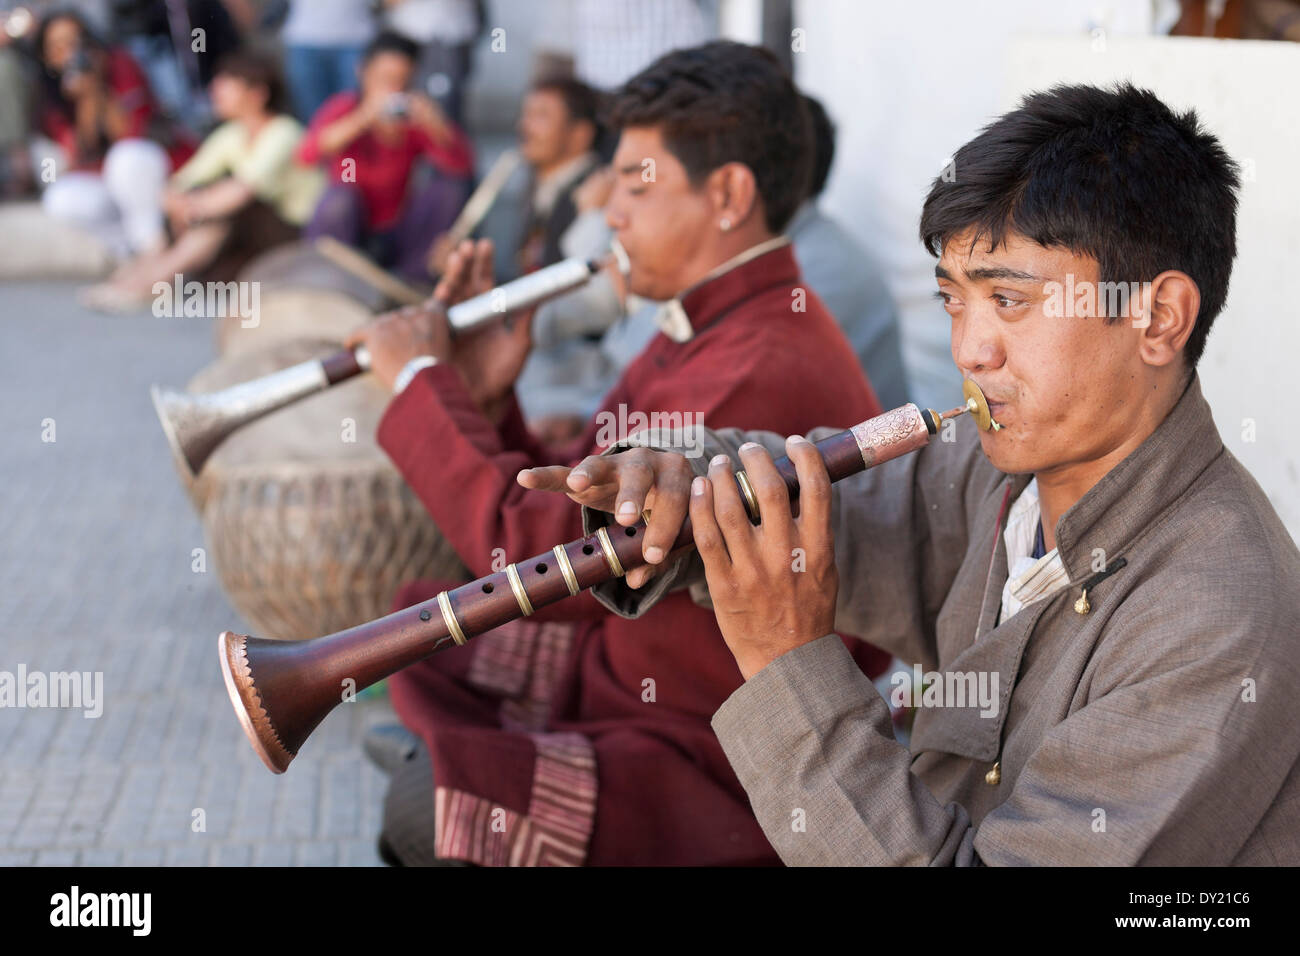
[449, 618]
[751, 500]
[608, 547]
[516, 585]
[566, 568]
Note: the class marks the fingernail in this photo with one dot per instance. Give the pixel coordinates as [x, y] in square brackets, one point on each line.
[654, 554]
[627, 508]
[748, 445]
[718, 461]
[797, 440]
[697, 486]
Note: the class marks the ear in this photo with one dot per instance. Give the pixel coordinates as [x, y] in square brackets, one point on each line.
[1170, 305]
[733, 191]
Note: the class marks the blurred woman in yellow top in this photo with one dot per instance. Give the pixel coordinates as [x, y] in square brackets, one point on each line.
[239, 195]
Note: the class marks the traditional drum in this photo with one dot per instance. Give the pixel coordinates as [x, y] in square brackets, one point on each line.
[300, 294]
[310, 527]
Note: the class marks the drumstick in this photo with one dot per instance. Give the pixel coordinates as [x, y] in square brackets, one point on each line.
[478, 204]
[356, 264]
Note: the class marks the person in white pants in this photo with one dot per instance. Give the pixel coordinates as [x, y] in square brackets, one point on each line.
[122, 203]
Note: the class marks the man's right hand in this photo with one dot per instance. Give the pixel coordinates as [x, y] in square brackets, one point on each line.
[625, 485]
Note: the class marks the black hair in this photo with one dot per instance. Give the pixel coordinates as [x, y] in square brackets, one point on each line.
[1111, 173]
[726, 102]
[47, 90]
[89, 37]
[390, 41]
[583, 103]
[256, 69]
[823, 134]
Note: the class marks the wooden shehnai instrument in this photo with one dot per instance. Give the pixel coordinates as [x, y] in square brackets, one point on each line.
[282, 691]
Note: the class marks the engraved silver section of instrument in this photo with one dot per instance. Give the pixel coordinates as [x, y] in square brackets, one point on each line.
[521, 293]
[363, 357]
[890, 435]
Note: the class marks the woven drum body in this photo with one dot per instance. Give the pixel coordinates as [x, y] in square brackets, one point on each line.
[310, 527]
[301, 295]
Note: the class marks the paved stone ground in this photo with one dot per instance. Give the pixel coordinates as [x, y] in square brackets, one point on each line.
[95, 575]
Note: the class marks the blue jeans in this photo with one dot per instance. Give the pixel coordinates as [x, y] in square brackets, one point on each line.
[315, 73]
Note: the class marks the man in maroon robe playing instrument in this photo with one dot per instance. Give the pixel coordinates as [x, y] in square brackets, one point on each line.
[573, 736]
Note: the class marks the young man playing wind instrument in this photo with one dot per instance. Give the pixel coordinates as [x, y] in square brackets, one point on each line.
[1104, 603]
[575, 736]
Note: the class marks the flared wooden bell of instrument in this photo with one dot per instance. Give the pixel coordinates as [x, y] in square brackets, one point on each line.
[282, 690]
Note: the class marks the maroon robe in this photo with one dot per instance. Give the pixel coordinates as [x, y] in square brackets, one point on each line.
[545, 748]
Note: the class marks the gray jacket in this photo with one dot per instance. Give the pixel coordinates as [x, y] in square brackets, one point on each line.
[1161, 726]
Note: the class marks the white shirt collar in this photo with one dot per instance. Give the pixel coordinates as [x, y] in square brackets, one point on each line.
[1029, 579]
[672, 318]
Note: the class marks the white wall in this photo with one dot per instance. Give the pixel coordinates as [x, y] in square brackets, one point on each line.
[1244, 92]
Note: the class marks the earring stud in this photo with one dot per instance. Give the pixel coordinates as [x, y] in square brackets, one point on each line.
[725, 223]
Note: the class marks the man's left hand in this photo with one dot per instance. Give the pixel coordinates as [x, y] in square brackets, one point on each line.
[773, 586]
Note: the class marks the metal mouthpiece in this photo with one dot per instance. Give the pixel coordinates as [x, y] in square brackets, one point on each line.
[978, 406]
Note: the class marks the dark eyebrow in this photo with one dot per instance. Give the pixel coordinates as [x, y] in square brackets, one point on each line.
[996, 272]
[629, 169]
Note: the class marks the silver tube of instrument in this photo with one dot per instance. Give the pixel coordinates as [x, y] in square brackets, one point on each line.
[521, 293]
[249, 400]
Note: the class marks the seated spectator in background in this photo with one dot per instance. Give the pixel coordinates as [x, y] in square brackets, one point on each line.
[846, 278]
[568, 371]
[446, 31]
[371, 140]
[240, 194]
[324, 42]
[112, 152]
[558, 133]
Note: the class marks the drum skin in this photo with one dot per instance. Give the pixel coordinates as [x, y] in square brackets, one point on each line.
[300, 295]
[310, 527]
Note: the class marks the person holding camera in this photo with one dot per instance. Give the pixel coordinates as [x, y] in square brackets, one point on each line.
[111, 150]
[372, 142]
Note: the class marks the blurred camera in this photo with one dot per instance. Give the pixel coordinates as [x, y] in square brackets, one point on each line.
[398, 106]
[78, 64]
